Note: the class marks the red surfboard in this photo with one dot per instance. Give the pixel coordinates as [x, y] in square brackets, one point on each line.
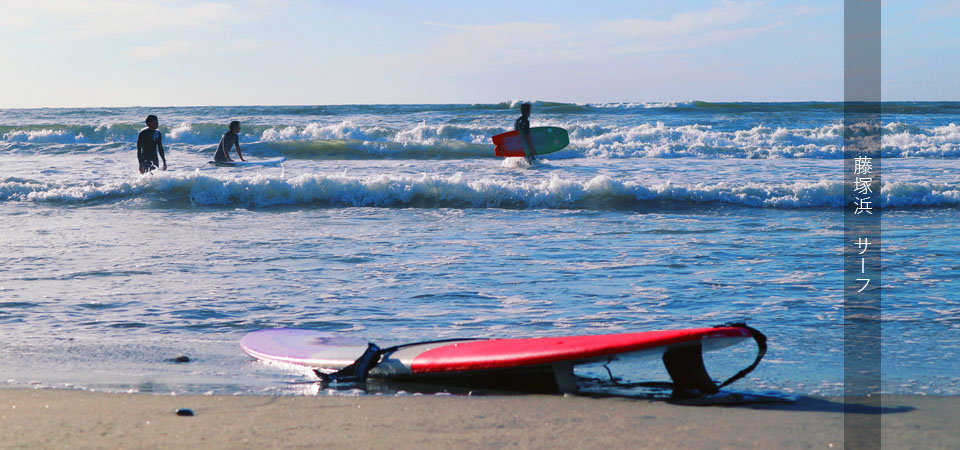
[329, 353]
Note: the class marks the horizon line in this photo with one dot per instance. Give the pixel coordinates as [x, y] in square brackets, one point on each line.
[470, 103]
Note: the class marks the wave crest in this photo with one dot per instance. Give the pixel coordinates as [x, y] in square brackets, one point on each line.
[457, 191]
[351, 139]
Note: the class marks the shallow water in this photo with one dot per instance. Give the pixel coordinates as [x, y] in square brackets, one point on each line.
[395, 223]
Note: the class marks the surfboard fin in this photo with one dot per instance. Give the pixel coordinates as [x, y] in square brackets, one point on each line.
[356, 372]
[686, 369]
[685, 366]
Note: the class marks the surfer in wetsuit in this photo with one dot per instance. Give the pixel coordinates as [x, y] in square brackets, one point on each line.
[230, 139]
[522, 126]
[149, 144]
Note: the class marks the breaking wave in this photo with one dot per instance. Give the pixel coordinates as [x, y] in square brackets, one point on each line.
[458, 191]
[693, 129]
[352, 140]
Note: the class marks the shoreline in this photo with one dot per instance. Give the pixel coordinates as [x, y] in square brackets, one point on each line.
[47, 418]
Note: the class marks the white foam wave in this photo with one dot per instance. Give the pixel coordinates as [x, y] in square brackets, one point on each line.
[919, 194]
[112, 133]
[645, 105]
[421, 133]
[904, 140]
[45, 136]
[181, 133]
[588, 139]
[343, 130]
[459, 191]
[658, 140]
[432, 134]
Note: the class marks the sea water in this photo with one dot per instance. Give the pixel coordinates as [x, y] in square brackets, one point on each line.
[396, 223]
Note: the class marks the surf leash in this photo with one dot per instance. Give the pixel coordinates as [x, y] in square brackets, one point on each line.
[685, 366]
[360, 369]
[356, 372]
[761, 350]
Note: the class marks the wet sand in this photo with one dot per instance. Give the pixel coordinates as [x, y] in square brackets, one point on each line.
[45, 418]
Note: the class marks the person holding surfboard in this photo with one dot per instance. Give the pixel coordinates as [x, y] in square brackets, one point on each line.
[230, 139]
[519, 142]
[522, 126]
[149, 144]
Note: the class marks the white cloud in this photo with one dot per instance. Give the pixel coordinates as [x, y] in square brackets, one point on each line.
[477, 48]
[803, 10]
[161, 50]
[98, 18]
[703, 39]
[945, 10]
[503, 44]
[727, 14]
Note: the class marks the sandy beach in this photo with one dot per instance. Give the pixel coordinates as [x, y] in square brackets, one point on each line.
[43, 418]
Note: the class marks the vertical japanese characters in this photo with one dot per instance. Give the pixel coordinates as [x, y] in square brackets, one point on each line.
[863, 180]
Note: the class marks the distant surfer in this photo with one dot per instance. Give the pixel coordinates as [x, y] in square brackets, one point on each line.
[229, 140]
[522, 126]
[149, 145]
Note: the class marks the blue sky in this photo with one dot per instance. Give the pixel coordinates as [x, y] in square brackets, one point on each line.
[168, 52]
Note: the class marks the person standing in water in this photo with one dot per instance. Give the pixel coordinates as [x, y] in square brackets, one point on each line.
[230, 139]
[522, 126]
[149, 144]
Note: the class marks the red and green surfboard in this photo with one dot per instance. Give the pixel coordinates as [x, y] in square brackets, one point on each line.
[544, 139]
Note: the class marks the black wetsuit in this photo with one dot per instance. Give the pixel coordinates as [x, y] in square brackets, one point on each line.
[522, 125]
[228, 141]
[148, 143]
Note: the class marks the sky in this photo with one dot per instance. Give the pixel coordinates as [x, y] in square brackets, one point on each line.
[293, 52]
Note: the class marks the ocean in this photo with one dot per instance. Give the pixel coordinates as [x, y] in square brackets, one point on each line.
[396, 223]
